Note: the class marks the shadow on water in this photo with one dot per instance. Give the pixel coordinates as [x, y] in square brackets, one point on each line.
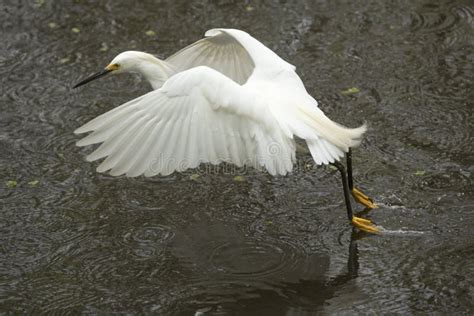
[250, 278]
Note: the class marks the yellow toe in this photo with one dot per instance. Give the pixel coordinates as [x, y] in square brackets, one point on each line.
[363, 199]
[364, 225]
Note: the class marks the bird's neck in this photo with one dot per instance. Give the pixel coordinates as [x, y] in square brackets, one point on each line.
[156, 71]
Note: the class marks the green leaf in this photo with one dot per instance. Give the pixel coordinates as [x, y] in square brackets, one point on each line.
[194, 176]
[419, 172]
[150, 33]
[33, 183]
[75, 30]
[11, 184]
[239, 179]
[39, 3]
[52, 25]
[350, 91]
[104, 47]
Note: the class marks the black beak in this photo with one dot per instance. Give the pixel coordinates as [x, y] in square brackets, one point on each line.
[93, 77]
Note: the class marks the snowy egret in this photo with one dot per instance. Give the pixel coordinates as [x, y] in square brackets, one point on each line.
[225, 98]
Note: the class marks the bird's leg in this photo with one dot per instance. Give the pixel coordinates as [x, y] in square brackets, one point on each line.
[358, 195]
[360, 223]
[345, 188]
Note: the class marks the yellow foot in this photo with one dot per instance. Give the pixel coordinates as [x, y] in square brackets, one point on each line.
[364, 225]
[363, 199]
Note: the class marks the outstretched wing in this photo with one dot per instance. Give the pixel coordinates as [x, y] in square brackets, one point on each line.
[220, 51]
[198, 116]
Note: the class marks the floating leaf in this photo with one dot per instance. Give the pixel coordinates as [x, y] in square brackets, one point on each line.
[239, 179]
[75, 30]
[11, 184]
[64, 60]
[332, 167]
[104, 47]
[52, 25]
[33, 183]
[194, 176]
[150, 33]
[350, 91]
[249, 8]
[39, 3]
[419, 172]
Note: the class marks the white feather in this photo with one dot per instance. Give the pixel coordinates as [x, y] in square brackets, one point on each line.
[226, 98]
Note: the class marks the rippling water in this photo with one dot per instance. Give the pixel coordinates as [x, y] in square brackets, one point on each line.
[72, 240]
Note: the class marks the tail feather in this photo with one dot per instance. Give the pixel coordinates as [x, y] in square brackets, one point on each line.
[324, 152]
[326, 140]
[333, 132]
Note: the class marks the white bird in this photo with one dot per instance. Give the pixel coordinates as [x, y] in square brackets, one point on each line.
[225, 98]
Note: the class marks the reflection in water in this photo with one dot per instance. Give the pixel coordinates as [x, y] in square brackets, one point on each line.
[228, 272]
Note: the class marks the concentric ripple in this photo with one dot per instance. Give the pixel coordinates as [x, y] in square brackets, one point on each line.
[434, 21]
[250, 259]
[425, 275]
[147, 241]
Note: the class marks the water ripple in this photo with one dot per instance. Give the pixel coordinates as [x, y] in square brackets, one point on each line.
[434, 21]
[147, 241]
[250, 259]
[415, 273]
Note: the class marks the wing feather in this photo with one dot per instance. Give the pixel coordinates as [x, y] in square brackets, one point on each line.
[111, 116]
[132, 152]
[199, 115]
[121, 144]
[220, 51]
[137, 167]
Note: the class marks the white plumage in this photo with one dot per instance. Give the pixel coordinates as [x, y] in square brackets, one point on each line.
[226, 97]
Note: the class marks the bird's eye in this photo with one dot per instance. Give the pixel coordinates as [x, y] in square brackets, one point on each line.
[111, 67]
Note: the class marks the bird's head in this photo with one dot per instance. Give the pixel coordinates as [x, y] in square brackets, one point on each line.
[128, 61]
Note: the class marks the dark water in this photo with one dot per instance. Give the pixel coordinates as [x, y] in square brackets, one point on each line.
[72, 240]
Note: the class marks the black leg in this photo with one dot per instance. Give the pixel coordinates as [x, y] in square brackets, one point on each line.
[345, 187]
[350, 181]
[358, 196]
[347, 184]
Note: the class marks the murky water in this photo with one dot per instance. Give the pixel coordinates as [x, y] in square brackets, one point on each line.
[72, 240]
